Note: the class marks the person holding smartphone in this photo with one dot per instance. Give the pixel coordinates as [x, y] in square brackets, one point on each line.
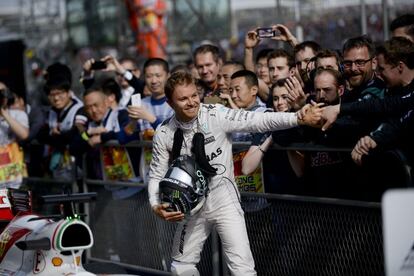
[252, 39]
[14, 126]
[127, 76]
[155, 109]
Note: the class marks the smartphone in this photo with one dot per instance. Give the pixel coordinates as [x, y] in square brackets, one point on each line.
[265, 32]
[98, 65]
[136, 100]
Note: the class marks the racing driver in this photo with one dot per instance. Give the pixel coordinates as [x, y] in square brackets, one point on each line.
[222, 208]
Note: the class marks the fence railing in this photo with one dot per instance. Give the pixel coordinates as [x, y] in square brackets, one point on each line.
[289, 235]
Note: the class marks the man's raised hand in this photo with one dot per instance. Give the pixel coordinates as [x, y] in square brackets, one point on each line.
[284, 34]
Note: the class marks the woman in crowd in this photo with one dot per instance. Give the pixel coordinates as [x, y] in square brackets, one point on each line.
[14, 126]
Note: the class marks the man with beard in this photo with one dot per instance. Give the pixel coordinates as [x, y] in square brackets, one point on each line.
[359, 63]
[329, 173]
[328, 87]
[400, 95]
[396, 67]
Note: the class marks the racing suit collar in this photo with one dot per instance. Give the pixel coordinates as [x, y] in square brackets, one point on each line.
[185, 126]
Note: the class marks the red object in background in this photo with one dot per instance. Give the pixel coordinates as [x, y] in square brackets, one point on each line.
[4, 158]
[146, 18]
[13, 201]
[6, 212]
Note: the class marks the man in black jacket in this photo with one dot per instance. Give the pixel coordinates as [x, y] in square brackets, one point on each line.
[396, 67]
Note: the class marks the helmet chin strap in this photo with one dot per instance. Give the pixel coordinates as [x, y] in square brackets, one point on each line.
[198, 150]
[178, 143]
[200, 155]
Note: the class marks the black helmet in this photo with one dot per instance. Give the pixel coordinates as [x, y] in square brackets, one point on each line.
[184, 186]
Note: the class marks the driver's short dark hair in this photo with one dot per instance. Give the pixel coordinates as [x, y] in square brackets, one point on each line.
[176, 79]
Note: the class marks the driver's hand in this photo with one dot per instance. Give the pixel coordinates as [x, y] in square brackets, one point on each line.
[161, 211]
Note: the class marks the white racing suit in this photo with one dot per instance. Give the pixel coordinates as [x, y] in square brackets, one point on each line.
[222, 208]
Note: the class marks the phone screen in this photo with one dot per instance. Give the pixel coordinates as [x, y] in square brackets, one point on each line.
[98, 65]
[136, 100]
[265, 32]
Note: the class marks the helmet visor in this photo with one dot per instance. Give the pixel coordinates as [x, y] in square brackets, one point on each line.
[181, 175]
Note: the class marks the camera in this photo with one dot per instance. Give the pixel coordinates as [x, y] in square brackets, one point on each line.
[6, 97]
[265, 32]
[98, 65]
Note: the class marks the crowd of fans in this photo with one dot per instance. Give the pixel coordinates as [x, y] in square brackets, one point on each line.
[366, 91]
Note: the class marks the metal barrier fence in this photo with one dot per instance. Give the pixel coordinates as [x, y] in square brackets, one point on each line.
[289, 235]
[127, 231]
[310, 236]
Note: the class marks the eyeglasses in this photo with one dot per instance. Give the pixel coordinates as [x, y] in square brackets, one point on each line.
[358, 63]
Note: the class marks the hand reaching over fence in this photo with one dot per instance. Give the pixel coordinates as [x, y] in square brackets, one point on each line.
[364, 145]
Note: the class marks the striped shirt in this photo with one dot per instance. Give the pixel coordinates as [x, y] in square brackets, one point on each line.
[259, 106]
[159, 108]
